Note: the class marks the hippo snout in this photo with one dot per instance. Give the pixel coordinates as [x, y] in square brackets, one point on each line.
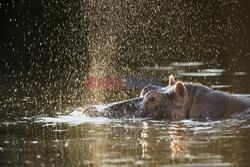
[127, 109]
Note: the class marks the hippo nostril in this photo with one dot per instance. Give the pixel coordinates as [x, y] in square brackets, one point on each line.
[152, 99]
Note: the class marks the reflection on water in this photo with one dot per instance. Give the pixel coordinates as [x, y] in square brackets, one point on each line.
[48, 48]
[180, 64]
[143, 142]
[69, 139]
[177, 144]
[134, 142]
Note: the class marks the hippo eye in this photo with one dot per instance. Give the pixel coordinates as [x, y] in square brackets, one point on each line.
[152, 99]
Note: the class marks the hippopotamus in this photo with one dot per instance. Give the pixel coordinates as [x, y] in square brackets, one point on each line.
[178, 100]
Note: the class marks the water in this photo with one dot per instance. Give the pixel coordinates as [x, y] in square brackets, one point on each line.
[65, 138]
[48, 48]
[70, 141]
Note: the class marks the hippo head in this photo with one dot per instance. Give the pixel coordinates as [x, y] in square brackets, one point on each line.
[165, 102]
[154, 102]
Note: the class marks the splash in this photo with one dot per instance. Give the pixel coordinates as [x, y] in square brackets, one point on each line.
[73, 119]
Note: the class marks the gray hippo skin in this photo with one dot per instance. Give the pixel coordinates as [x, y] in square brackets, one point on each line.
[176, 101]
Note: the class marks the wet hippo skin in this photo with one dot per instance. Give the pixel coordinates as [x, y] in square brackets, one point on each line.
[176, 101]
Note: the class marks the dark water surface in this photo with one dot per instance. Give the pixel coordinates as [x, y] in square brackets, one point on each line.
[48, 48]
[37, 132]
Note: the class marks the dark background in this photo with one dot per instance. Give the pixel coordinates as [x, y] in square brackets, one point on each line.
[51, 37]
[47, 48]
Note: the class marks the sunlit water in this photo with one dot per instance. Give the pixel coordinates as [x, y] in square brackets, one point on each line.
[148, 142]
[66, 138]
[74, 140]
[48, 48]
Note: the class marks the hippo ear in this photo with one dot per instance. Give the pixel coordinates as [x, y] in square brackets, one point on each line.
[180, 89]
[171, 80]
